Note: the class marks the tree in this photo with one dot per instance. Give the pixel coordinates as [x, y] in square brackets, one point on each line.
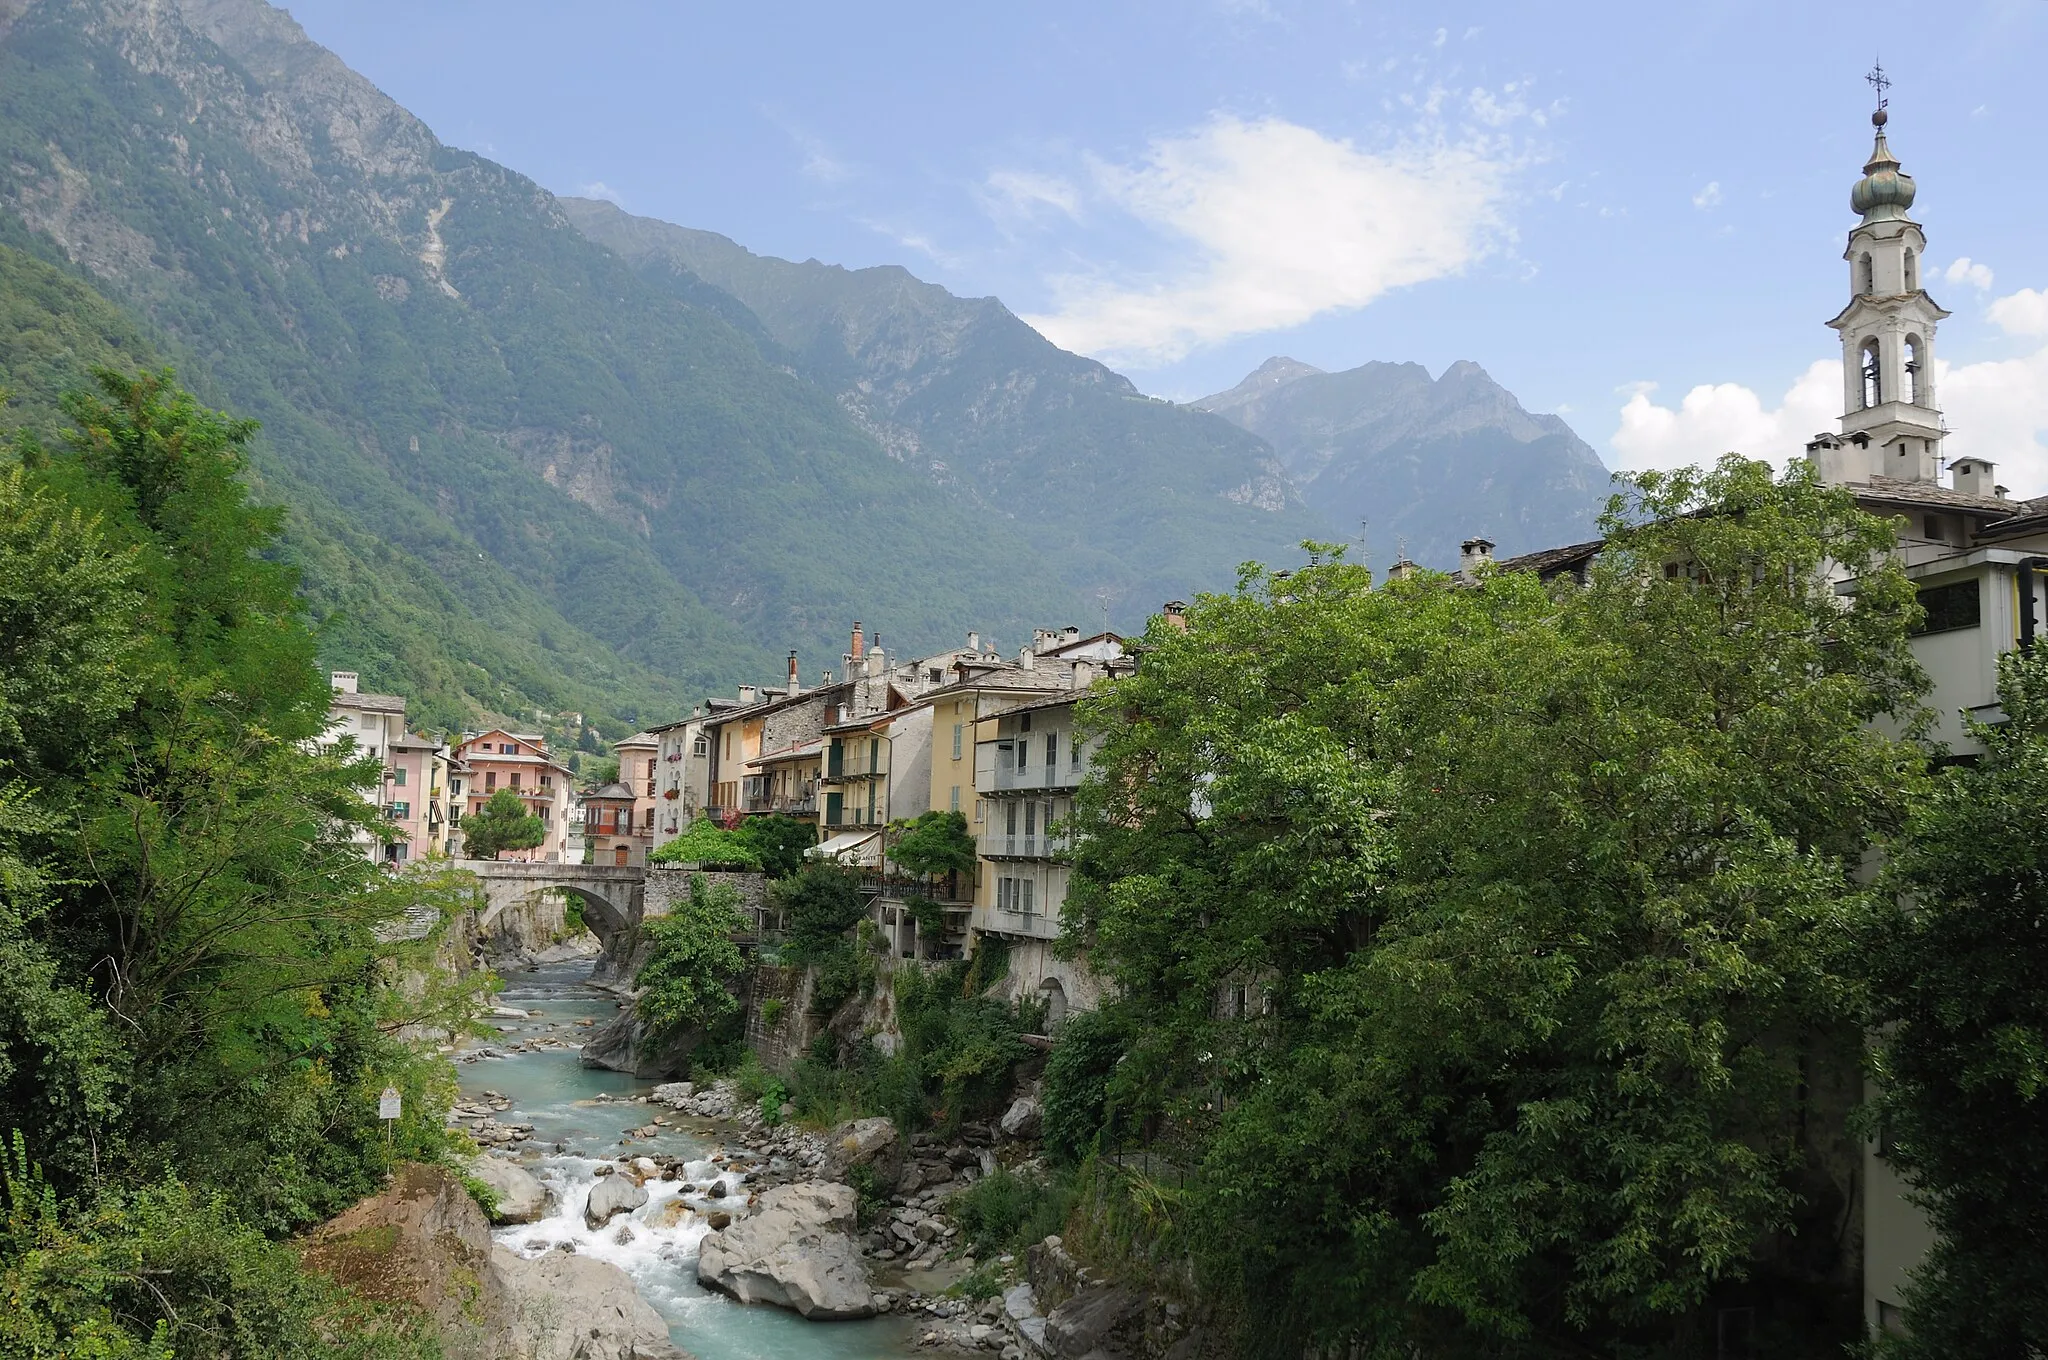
[933, 844]
[1960, 995]
[780, 841]
[501, 824]
[706, 844]
[819, 905]
[1483, 943]
[692, 963]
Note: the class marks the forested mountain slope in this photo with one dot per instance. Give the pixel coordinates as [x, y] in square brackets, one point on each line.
[1124, 496]
[452, 377]
[1425, 462]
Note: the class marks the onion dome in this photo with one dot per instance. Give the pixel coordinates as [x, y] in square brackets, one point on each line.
[1885, 190]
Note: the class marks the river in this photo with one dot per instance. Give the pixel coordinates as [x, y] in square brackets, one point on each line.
[555, 1093]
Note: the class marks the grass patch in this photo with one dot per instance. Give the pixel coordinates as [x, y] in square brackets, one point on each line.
[1008, 1211]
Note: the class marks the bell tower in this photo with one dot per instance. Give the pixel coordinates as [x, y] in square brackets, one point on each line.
[1890, 411]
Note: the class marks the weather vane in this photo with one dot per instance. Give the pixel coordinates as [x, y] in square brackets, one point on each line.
[1880, 82]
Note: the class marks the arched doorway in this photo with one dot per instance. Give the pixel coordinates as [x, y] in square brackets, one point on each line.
[1054, 995]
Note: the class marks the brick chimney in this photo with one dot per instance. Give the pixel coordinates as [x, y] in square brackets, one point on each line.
[1176, 612]
[859, 648]
[795, 681]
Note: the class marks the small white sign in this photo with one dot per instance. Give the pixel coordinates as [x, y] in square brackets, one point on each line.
[388, 1103]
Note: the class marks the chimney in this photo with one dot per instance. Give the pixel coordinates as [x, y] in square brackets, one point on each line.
[750, 694]
[974, 643]
[1028, 659]
[1474, 551]
[1973, 477]
[859, 648]
[1401, 570]
[796, 683]
[1176, 612]
[344, 682]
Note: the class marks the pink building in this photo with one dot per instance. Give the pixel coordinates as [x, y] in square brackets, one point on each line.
[485, 762]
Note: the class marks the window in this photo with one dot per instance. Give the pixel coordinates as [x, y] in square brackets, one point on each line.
[1024, 723]
[511, 748]
[1023, 754]
[1031, 819]
[1873, 377]
[958, 730]
[700, 747]
[956, 798]
[1010, 819]
[515, 779]
[934, 674]
[728, 746]
[369, 723]
[1865, 276]
[1074, 752]
[1950, 607]
[1052, 750]
[1912, 392]
[490, 780]
[650, 769]
[874, 755]
[398, 812]
[1025, 884]
[1912, 271]
[547, 781]
[398, 776]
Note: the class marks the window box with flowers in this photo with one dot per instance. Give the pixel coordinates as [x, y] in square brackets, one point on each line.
[673, 793]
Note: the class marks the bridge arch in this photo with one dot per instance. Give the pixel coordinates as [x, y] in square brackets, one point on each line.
[613, 896]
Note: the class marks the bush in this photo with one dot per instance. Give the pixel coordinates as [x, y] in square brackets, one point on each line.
[873, 1195]
[772, 1009]
[707, 844]
[1008, 1211]
[1077, 1100]
[982, 1282]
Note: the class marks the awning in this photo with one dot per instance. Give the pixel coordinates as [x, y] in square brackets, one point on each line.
[854, 847]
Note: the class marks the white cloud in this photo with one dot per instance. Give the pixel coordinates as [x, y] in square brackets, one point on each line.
[1709, 197]
[1281, 224]
[1996, 409]
[2022, 313]
[1021, 193]
[1978, 276]
[599, 189]
[1722, 417]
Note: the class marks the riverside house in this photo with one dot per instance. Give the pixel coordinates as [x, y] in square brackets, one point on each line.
[485, 762]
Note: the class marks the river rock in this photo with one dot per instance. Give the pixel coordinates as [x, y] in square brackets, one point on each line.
[627, 1044]
[610, 1197]
[1021, 1119]
[864, 1142]
[577, 1308]
[521, 1198]
[1086, 1322]
[423, 1243]
[673, 1093]
[796, 1251]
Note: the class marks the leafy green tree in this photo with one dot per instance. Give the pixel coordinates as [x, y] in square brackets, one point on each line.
[692, 963]
[501, 824]
[819, 905]
[1484, 942]
[1960, 997]
[707, 844]
[933, 844]
[780, 841]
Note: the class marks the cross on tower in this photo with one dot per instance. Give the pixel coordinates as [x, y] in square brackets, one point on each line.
[1880, 82]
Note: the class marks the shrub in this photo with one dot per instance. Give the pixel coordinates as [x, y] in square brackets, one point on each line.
[1008, 1211]
[709, 845]
[1077, 1100]
[772, 1009]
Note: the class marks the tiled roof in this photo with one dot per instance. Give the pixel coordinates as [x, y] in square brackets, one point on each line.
[1899, 491]
[1553, 560]
[615, 791]
[373, 703]
[638, 739]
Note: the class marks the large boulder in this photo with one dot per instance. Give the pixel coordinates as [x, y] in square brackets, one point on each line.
[521, 1198]
[796, 1251]
[628, 1044]
[1022, 1119]
[572, 1307]
[610, 1197]
[864, 1142]
[423, 1243]
[1088, 1322]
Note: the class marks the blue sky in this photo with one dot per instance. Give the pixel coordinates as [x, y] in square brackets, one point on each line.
[1632, 214]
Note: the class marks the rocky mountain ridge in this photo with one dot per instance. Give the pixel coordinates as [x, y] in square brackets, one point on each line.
[1422, 462]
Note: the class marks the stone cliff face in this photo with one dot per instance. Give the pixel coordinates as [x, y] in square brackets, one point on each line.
[1427, 461]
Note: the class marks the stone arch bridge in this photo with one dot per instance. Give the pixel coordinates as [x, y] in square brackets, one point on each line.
[614, 897]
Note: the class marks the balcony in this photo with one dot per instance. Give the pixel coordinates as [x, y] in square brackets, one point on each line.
[1001, 845]
[1032, 779]
[1031, 925]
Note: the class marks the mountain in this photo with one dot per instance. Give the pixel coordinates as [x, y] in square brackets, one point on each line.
[1424, 463]
[1123, 497]
[471, 406]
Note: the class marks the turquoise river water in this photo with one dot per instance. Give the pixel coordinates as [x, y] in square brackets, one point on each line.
[552, 1091]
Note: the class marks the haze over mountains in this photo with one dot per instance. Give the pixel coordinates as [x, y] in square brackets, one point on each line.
[543, 454]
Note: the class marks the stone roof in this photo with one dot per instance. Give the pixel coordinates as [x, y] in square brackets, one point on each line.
[1552, 561]
[374, 703]
[615, 791]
